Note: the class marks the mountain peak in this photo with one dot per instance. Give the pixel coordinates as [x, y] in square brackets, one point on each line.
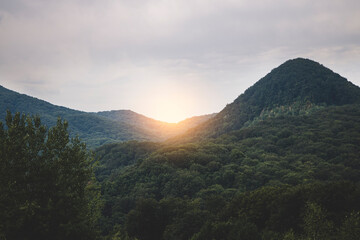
[301, 60]
[300, 81]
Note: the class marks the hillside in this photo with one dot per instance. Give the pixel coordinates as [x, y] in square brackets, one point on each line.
[95, 130]
[162, 130]
[281, 162]
[298, 84]
[272, 169]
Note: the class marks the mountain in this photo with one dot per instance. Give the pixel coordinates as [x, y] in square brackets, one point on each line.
[296, 86]
[162, 130]
[91, 128]
[196, 120]
[280, 162]
[96, 128]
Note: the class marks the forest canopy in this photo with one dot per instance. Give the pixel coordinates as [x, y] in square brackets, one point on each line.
[282, 162]
[269, 180]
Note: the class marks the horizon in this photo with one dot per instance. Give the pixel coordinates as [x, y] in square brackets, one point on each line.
[105, 110]
[175, 121]
[172, 122]
[167, 60]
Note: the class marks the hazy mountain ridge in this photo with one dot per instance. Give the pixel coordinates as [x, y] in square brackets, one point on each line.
[95, 128]
[163, 130]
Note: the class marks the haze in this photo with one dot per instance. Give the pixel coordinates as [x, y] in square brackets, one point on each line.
[166, 59]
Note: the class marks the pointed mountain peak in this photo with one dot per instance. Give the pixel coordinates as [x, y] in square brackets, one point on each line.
[301, 80]
[297, 81]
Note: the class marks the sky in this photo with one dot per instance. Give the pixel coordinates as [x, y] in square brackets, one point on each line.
[167, 59]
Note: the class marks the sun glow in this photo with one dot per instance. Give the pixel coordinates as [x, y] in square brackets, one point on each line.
[172, 103]
[172, 107]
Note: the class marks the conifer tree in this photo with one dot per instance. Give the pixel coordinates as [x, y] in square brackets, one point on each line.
[47, 185]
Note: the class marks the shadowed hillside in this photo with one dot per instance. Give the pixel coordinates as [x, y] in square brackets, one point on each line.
[282, 162]
[296, 85]
[94, 130]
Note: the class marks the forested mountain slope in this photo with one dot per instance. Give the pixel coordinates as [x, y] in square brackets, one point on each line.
[205, 184]
[281, 162]
[296, 85]
[162, 130]
[93, 129]
[96, 128]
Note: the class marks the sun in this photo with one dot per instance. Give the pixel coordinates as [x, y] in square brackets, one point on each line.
[169, 113]
[172, 107]
[171, 103]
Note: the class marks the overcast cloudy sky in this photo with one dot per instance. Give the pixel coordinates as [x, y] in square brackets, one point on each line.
[167, 59]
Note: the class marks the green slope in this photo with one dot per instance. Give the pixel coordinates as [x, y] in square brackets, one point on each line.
[323, 138]
[162, 130]
[271, 162]
[95, 130]
[281, 162]
[296, 83]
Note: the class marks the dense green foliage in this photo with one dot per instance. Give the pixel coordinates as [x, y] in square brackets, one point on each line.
[282, 162]
[115, 156]
[94, 129]
[47, 186]
[295, 82]
[253, 183]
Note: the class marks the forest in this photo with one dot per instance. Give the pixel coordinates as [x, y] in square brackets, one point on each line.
[282, 162]
[265, 181]
[47, 183]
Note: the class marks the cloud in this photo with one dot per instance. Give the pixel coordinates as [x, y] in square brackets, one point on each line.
[85, 51]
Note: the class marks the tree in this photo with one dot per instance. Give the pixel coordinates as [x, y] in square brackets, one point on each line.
[316, 226]
[47, 185]
[146, 221]
[350, 228]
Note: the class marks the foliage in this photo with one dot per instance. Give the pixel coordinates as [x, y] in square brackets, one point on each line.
[48, 190]
[281, 162]
[256, 182]
[316, 225]
[350, 228]
[92, 128]
[296, 82]
[115, 156]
